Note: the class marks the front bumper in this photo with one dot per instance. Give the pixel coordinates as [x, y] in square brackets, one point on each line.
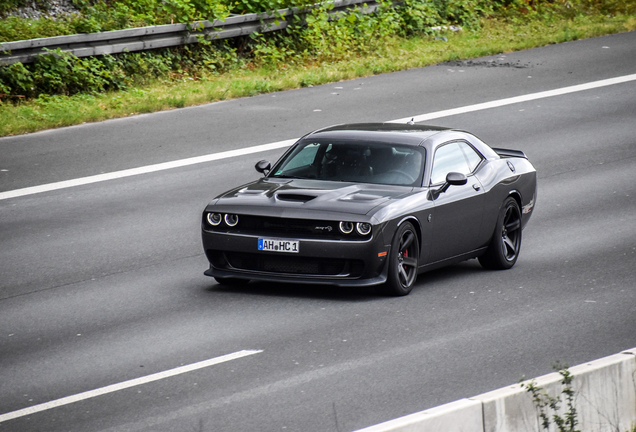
[319, 261]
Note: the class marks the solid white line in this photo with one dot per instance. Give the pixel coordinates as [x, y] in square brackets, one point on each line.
[280, 144]
[517, 99]
[142, 170]
[124, 385]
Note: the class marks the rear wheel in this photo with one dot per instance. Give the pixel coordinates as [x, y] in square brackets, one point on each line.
[505, 245]
[403, 261]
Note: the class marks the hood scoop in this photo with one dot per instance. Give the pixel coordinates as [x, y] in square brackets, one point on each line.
[361, 197]
[294, 197]
[248, 191]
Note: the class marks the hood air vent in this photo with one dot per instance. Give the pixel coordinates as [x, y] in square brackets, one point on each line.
[294, 197]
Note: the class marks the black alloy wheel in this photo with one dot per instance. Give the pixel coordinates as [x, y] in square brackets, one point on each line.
[403, 261]
[504, 248]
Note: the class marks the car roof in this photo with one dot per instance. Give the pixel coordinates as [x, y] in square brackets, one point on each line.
[410, 134]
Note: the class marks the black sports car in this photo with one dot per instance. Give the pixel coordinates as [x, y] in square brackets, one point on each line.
[372, 204]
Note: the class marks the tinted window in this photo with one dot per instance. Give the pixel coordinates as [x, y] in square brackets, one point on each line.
[302, 157]
[354, 161]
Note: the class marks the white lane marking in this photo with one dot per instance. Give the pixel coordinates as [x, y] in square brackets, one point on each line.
[126, 384]
[280, 144]
[143, 170]
[518, 99]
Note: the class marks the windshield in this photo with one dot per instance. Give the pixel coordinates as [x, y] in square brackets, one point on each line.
[349, 161]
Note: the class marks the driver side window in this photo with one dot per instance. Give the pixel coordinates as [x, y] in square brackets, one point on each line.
[448, 158]
[454, 157]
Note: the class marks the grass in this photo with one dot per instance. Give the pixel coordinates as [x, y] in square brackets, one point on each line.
[19, 116]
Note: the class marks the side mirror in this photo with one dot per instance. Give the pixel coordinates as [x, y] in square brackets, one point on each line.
[263, 166]
[452, 179]
[456, 179]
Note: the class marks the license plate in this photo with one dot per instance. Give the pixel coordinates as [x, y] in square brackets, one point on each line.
[278, 245]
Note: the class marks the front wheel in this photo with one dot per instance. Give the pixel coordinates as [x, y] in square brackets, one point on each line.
[503, 251]
[403, 261]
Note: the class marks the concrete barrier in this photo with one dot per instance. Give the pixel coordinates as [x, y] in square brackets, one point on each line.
[511, 408]
[464, 415]
[605, 400]
[606, 393]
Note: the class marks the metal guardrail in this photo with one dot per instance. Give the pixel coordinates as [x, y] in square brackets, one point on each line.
[147, 38]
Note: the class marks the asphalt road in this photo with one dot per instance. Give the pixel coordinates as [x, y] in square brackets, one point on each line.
[102, 283]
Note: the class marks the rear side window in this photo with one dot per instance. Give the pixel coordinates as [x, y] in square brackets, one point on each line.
[472, 157]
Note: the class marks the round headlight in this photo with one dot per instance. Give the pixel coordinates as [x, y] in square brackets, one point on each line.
[214, 219]
[231, 219]
[363, 228]
[346, 227]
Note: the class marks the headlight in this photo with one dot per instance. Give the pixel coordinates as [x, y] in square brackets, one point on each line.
[363, 228]
[346, 227]
[214, 219]
[231, 220]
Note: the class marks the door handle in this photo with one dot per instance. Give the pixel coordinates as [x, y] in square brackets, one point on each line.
[476, 187]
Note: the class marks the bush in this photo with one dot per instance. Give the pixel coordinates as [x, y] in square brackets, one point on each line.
[62, 73]
[98, 16]
[545, 10]
[315, 36]
[418, 17]
[14, 28]
[15, 79]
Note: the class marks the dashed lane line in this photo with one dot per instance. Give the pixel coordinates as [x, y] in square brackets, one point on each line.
[125, 384]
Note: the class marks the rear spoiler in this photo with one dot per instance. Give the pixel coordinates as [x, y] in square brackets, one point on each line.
[507, 153]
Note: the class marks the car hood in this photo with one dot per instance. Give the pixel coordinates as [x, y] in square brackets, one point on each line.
[312, 195]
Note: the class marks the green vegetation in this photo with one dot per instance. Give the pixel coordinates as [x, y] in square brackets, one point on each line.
[548, 406]
[90, 16]
[60, 89]
[546, 403]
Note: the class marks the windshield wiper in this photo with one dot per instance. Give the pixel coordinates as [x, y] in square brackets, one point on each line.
[287, 176]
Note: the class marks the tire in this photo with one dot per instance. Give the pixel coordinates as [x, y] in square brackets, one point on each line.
[403, 261]
[505, 245]
[232, 281]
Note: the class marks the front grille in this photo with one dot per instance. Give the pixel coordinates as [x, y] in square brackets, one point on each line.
[266, 263]
[290, 227]
[287, 228]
